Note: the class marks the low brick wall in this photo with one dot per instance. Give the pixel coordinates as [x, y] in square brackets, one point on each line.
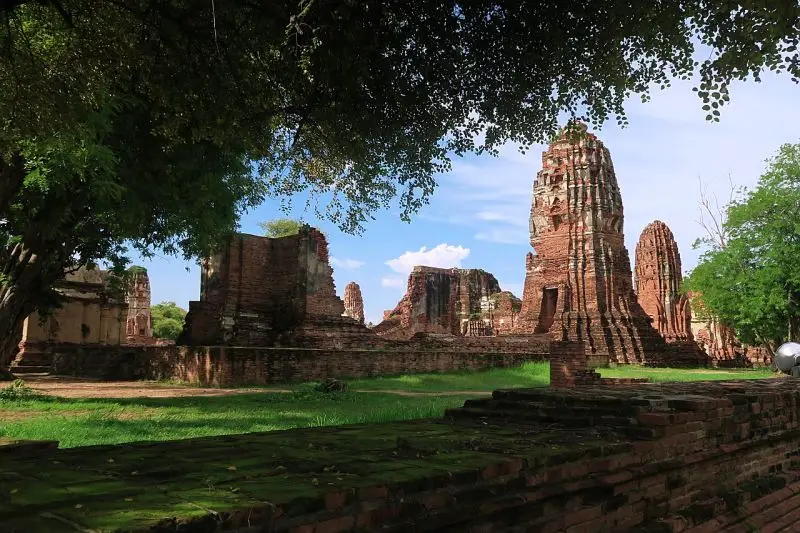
[226, 366]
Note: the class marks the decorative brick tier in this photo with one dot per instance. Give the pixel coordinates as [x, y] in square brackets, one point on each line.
[697, 457]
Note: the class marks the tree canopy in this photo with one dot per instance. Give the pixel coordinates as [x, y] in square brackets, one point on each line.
[752, 281]
[154, 125]
[280, 227]
[167, 319]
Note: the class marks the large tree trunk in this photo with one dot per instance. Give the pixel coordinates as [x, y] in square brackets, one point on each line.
[25, 278]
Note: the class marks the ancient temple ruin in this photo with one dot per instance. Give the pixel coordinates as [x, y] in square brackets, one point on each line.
[259, 291]
[451, 301]
[578, 282]
[139, 325]
[658, 279]
[353, 302]
[91, 314]
[719, 341]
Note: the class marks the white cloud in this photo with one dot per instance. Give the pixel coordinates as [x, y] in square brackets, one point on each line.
[441, 256]
[392, 282]
[503, 236]
[346, 264]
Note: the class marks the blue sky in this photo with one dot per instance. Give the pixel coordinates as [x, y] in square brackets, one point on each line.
[478, 217]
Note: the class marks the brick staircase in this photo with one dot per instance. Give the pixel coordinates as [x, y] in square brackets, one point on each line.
[544, 407]
[32, 362]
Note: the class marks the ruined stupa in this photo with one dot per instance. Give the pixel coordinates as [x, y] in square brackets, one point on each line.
[658, 281]
[139, 324]
[450, 301]
[353, 302]
[578, 283]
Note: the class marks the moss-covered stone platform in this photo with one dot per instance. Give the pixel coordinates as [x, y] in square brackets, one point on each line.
[593, 459]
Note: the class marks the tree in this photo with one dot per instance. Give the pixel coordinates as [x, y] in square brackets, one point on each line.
[167, 319]
[752, 282]
[154, 125]
[280, 227]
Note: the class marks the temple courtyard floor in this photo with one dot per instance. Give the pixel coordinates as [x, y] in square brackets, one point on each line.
[80, 412]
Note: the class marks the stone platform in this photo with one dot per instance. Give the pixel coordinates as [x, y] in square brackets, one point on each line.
[707, 456]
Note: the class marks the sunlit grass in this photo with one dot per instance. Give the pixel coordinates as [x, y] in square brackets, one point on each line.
[79, 422]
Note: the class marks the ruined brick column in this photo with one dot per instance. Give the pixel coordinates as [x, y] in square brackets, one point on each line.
[353, 302]
[139, 325]
[658, 281]
[579, 284]
[567, 364]
[442, 301]
[258, 291]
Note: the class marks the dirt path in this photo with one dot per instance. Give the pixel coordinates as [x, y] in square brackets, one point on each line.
[67, 387]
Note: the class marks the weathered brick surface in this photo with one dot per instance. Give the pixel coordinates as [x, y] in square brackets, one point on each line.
[719, 341]
[354, 302]
[139, 323]
[579, 284]
[658, 277]
[228, 365]
[697, 457]
[89, 314]
[265, 292]
[443, 301]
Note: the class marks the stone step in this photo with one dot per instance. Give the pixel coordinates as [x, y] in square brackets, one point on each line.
[550, 410]
[34, 359]
[566, 419]
[551, 398]
[30, 369]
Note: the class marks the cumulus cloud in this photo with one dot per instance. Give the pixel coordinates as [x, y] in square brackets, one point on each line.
[346, 264]
[392, 282]
[441, 256]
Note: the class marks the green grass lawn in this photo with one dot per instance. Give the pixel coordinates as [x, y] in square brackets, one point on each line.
[80, 422]
[538, 375]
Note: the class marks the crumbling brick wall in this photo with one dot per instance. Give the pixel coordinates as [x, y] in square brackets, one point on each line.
[259, 291]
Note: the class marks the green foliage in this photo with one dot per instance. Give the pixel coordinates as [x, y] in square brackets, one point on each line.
[167, 319]
[134, 126]
[18, 392]
[752, 283]
[280, 227]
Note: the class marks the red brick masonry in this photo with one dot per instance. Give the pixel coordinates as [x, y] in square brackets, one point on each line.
[228, 365]
[689, 457]
[568, 368]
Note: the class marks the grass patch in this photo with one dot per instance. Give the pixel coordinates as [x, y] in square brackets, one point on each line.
[683, 374]
[26, 414]
[82, 422]
[538, 375]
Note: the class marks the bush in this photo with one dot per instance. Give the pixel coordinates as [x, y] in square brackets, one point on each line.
[168, 320]
[18, 391]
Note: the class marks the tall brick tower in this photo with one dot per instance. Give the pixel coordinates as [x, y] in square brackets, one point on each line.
[139, 326]
[658, 280]
[578, 283]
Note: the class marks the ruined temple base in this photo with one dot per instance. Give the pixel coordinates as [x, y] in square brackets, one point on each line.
[619, 338]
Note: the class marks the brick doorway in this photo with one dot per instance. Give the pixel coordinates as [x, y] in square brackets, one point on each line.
[547, 313]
